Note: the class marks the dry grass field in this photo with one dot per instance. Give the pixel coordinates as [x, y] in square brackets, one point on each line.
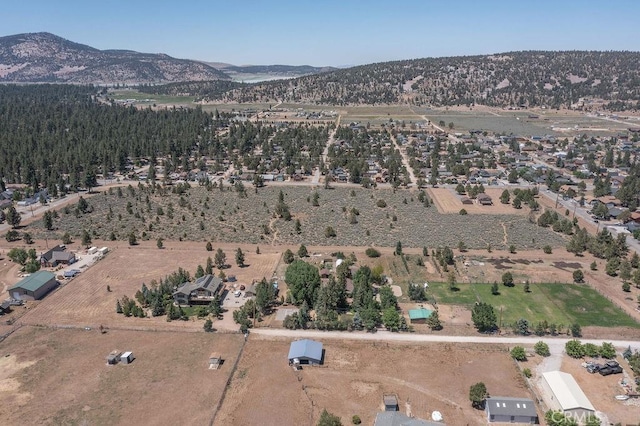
[449, 202]
[56, 377]
[85, 301]
[425, 377]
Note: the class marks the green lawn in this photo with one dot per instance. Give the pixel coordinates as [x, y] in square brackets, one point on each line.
[556, 303]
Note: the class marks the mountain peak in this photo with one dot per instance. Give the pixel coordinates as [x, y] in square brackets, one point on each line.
[45, 57]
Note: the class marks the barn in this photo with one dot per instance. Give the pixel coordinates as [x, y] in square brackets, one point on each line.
[567, 396]
[305, 352]
[34, 287]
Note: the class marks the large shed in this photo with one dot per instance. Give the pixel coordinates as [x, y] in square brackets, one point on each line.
[305, 352]
[511, 410]
[566, 394]
[34, 287]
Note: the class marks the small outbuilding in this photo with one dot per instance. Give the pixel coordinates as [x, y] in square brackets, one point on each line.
[511, 410]
[306, 352]
[390, 402]
[34, 287]
[127, 358]
[215, 361]
[419, 316]
[113, 357]
[484, 199]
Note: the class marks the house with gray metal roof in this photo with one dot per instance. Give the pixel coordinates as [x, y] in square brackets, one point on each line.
[57, 255]
[199, 292]
[511, 410]
[305, 352]
[34, 287]
[396, 418]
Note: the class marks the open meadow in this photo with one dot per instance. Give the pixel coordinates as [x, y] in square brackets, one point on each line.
[355, 375]
[555, 303]
[61, 376]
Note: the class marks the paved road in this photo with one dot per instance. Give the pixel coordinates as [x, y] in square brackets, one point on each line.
[573, 206]
[555, 344]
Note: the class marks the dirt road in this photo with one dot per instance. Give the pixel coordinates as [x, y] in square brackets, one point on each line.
[325, 152]
[556, 345]
[405, 159]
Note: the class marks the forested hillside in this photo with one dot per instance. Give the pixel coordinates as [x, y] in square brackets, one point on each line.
[57, 135]
[553, 79]
[55, 131]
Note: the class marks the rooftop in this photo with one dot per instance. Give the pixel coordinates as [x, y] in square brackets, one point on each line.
[34, 281]
[208, 282]
[396, 418]
[567, 391]
[305, 349]
[511, 406]
[420, 313]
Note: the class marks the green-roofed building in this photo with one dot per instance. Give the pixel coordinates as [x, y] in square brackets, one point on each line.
[419, 316]
[34, 287]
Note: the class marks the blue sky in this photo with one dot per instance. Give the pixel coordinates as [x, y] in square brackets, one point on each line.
[329, 32]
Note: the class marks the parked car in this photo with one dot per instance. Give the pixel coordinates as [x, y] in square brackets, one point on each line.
[593, 368]
[605, 371]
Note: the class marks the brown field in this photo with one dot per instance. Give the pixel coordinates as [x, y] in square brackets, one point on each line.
[53, 377]
[85, 301]
[448, 202]
[425, 377]
[601, 391]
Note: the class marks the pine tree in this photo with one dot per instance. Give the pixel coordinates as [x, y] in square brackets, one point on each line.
[240, 258]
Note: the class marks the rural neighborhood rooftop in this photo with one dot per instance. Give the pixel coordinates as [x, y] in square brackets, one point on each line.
[567, 391]
[305, 351]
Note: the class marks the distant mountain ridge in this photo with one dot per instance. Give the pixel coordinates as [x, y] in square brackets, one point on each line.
[528, 78]
[44, 57]
[47, 58]
[238, 72]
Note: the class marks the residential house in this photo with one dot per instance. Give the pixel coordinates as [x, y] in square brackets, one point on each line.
[57, 256]
[511, 410]
[200, 292]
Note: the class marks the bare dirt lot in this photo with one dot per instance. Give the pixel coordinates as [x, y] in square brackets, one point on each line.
[356, 374]
[601, 391]
[61, 377]
[85, 301]
[449, 202]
